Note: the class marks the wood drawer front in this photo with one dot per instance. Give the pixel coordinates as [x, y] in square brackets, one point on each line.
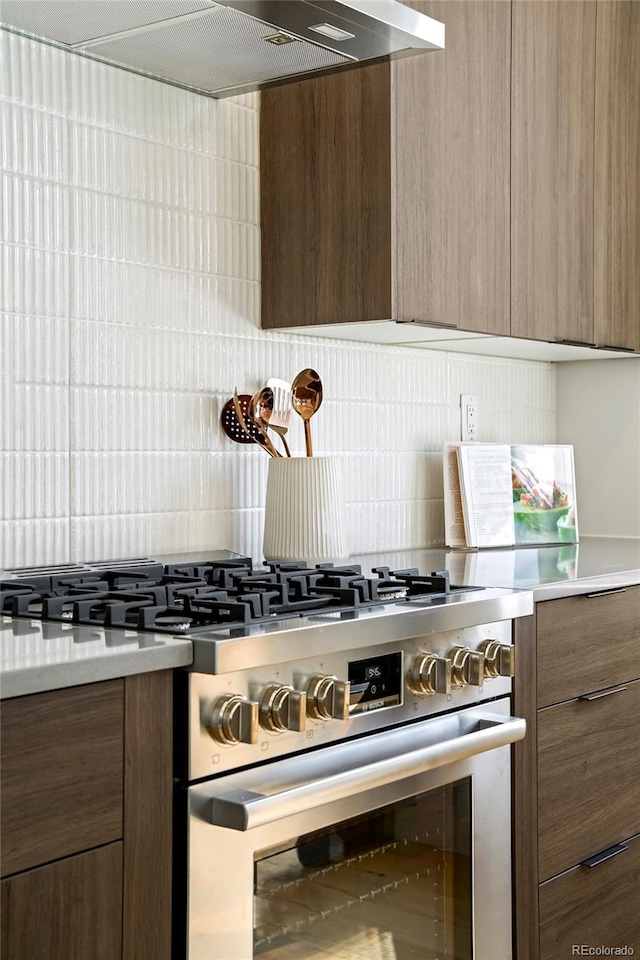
[71, 910]
[61, 773]
[588, 778]
[586, 643]
[597, 906]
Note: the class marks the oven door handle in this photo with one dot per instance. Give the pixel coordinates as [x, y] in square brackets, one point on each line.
[347, 769]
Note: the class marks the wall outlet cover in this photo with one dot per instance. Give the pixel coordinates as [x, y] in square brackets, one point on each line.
[468, 416]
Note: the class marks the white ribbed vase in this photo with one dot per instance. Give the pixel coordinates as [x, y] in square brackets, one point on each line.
[304, 510]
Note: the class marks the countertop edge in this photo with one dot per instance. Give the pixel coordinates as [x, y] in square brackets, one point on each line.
[23, 681]
[573, 588]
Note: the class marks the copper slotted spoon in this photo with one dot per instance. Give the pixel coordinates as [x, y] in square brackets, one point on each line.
[237, 423]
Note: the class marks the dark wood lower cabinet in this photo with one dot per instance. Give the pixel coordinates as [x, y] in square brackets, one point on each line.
[68, 910]
[148, 805]
[85, 833]
[597, 906]
[61, 773]
[606, 624]
[588, 776]
[576, 777]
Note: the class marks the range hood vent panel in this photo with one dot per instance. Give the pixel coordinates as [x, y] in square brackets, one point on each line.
[79, 21]
[223, 48]
[182, 51]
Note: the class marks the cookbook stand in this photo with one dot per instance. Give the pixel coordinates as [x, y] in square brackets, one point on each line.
[499, 495]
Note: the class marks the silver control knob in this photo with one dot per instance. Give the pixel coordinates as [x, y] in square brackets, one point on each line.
[328, 698]
[467, 667]
[430, 674]
[283, 708]
[499, 659]
[234, 720]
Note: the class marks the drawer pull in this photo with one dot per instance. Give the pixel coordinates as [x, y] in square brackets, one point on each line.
[605, 593]
[431, 323]
[599, 694]
[607, 854]
[574, 343]
[610, 346]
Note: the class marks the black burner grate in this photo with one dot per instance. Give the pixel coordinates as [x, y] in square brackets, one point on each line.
[191, 596]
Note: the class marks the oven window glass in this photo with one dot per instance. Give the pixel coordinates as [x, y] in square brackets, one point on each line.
[394, 884]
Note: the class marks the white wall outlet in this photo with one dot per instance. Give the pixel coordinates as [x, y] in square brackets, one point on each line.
[468, 416]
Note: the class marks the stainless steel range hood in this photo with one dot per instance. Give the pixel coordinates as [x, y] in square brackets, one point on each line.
[232, 46]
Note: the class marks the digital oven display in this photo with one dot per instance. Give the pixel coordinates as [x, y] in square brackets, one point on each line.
[375, 683]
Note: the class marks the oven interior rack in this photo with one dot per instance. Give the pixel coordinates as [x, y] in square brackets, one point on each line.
[344, 890]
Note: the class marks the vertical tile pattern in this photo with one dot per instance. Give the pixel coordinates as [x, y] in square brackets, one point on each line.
[130, 309]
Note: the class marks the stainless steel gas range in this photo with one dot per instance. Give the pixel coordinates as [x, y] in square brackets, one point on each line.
[342, 752]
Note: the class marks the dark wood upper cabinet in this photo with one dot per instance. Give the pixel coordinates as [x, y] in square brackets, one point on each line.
[385, 191]
[552, 134]
[325, 168]
[617, 175]
[452, 171]
[493, 186]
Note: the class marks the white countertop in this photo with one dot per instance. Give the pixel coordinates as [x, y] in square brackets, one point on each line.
[550, 572]
[37, 656]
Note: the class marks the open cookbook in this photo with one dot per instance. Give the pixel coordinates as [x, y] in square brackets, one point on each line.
[498, 495]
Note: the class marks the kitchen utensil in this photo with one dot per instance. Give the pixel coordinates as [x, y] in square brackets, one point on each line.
[260, 412]
[231, 423]
[237, 406]
[281, 413]
[306, 397]
[237, 423]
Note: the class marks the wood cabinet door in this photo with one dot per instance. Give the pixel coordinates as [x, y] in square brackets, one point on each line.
[61, 773]
[325, 199]
[587, 643]
[597, 905]
[552, 131]
[617, 175]
[588, 777]
[451, 136]
[148, 801]
[69, 910]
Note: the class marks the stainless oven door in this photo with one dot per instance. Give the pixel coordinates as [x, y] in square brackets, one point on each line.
[394, 846]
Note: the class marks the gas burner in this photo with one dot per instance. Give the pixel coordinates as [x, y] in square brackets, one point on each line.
[191, 596]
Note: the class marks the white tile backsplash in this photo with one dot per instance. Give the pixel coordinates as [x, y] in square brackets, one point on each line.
[33, 143]
[35, 349]
[35, 418]
[36, 485]
[33, 74]
[34, 282]
[125, 166]
[130, 297]
[34, 213]
[34, 542]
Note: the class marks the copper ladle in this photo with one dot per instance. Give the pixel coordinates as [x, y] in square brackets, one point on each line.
[306, 397]
[265, 413]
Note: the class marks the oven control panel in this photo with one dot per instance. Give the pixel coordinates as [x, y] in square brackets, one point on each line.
[376, 683]
[244, 717]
